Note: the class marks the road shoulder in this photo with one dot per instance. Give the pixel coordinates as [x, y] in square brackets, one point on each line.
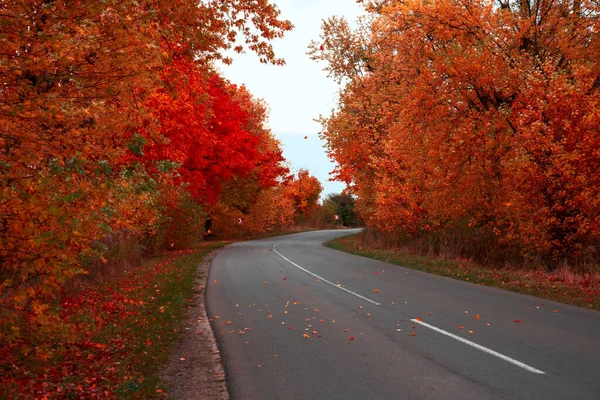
[195, 369]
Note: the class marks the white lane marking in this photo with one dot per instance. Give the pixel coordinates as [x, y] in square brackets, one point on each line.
[323, 279]
[480, 347]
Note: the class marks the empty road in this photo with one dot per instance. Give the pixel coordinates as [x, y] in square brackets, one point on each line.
[297, 320]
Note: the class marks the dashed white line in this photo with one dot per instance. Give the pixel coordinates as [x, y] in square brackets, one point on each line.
[482, 348]
[323, 279]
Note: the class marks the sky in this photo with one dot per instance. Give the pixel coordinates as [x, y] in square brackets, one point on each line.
[300, 91]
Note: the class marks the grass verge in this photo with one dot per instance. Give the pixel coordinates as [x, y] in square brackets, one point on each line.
[120, 334]
[583, 292]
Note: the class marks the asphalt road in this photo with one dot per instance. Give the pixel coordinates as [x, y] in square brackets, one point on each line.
[297, 320]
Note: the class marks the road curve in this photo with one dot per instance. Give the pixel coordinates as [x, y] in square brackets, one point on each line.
[297, 320]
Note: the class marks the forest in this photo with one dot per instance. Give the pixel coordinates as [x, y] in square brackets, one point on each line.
[471, 128]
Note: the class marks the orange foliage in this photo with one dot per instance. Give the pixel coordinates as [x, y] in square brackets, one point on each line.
[304, 191]
[273, 210]
[473, 115]
[75, 80]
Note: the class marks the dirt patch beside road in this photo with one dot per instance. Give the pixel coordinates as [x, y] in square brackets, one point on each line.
[195, 370]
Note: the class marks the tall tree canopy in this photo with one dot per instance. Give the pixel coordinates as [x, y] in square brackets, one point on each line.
[85, 83]
[474, 113]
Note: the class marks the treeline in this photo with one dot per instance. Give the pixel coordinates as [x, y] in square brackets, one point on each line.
[472, 128]
[118, 138]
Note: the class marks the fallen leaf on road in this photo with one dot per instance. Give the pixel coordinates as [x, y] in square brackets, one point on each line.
[418, 319]
[346, 330]
[264, 282]
[351, 338]
[461, 327]
[477, 317]
[182, 359]
[471, 332]
[517, 321]
[306, 336]
[215, 281]
[376, 291]
[555, 311]
[412, 334]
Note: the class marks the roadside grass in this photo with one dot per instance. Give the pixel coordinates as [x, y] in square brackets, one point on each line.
[559, 286]
[113, 330]
[124, 329]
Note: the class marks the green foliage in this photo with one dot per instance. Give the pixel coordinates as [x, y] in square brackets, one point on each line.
[344, 208]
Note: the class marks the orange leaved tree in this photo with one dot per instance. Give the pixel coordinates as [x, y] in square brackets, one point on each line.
[473, 118]
[75, 78]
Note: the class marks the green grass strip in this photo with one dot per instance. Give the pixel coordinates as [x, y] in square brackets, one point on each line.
[535, 283]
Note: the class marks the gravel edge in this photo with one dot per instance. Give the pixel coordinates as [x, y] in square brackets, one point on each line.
[195, 368]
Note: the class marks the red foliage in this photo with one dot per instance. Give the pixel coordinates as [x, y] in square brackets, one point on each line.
[204, 128]
[93, 361]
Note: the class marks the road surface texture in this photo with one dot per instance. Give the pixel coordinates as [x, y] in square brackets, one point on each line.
[297, 320]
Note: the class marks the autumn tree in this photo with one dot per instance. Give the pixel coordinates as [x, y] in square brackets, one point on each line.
[304, 191]
[215, 133]
[471, 115]
[75, 79]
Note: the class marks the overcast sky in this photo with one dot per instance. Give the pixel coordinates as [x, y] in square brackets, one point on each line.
[300, 91]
